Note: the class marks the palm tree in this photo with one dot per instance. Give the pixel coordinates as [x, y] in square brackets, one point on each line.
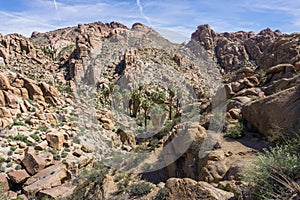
[126, 101]
[158, 115]
[178, 102]
[106, 93]
[158, 97]
[145, 105]
[117, 100]
[136, 99]
[171, 96]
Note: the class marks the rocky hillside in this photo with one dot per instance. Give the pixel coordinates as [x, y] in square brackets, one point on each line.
[103, 111]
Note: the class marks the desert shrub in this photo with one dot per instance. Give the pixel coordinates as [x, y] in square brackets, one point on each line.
[140, 189]
[290, 138]
[123, 184]
[19, 123]
[63, 88]
[119, 176]
[18, 167]
[2, 159]
[161, 194]
[10, 153]
[235, 132]
[35, 137]
[275, 173]
[90, 184]
[19, 137]
[169, 124]
[64, 154]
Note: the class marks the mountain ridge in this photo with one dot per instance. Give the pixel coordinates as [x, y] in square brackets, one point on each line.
[60, 89]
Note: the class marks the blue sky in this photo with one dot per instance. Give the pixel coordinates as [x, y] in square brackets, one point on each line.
[175, 19]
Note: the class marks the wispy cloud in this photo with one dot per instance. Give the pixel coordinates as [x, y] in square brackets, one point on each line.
[170, 17]
[56, 8]
[18, 23]
[138, 3]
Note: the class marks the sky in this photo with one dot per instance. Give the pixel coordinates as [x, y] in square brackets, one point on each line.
[174, 19]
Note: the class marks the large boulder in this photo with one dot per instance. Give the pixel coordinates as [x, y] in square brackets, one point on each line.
[18, 176]
[206, 36]
[186, 144]
[4, 182]
[187, 189]
[213, 167]
[32, 162]
[59, 192]
[277, 112]
[55, 138]
[34, 91]
[48, 178]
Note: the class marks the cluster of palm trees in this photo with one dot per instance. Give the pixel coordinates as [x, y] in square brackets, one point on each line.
[157, 103]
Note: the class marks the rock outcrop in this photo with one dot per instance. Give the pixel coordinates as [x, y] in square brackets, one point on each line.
[190, 189]
[238, 49]
[276, 113]
[47, 141]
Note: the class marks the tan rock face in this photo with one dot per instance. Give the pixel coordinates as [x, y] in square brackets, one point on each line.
[56, 139]
[5, 113]
[205, 35]
[4, 82]
[4, 181]
[187, 189]
[50, 93]
[32, 162]
[2, 99]
[16, 45]
[109, 187]
[33, 89]
[282, 50]
[18, 176]
[10, 99]
[276, 112]
[234, 50]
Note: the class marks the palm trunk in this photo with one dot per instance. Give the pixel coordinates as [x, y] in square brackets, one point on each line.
[170, 108]
[145, 116]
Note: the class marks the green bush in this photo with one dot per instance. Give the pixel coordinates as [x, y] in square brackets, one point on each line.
[19, 123]
[19, 137]
[18, 167]
[35, 137]
[90, 184]
[274, 173]
[140, 189]
[64, 154]
[236, 131]
[119, 176]
[161, 194]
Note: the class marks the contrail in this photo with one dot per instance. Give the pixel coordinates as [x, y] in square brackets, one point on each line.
[56, 8]
[138, 3]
